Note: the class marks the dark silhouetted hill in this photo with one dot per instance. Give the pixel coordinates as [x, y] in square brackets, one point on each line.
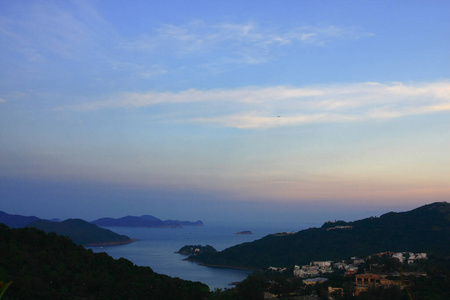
[16, 221]
[424, 229]
[82, 232]
[196, 249]
[143, 221]
[48, 266]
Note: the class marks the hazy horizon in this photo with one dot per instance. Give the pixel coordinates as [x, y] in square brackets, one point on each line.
[224, 110]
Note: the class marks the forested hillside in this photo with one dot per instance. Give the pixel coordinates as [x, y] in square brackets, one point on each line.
[48, 266]
[82, 232]
[425, 229]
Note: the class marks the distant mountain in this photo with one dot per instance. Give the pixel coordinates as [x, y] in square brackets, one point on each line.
[184, 223]
[424, 229]
[16, 221]
[143, 221]
[82, 232]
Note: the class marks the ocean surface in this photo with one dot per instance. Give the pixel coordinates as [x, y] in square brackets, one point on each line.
[156, 247]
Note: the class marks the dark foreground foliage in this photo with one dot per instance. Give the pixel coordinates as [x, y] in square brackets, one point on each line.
[82, 232]
[48, 266]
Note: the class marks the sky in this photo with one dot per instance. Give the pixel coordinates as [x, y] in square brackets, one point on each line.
[224, 111]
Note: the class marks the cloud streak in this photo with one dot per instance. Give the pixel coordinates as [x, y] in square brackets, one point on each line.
[238, 43]
[67, 30]
[267, 107]
[76, 32]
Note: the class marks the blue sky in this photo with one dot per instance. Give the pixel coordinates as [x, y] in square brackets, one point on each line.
[223, 110]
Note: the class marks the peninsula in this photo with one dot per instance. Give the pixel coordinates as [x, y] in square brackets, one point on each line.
[82, 232]
[143, 221]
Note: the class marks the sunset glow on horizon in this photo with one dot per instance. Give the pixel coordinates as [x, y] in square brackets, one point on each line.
[207, 109]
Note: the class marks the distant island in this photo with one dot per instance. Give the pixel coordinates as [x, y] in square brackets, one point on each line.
[424, 229]
[196, 250]
[244, 232]
[143, 221]
[90, 233]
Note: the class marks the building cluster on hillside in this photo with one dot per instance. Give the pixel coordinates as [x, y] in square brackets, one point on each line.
[409, 256]
[403, 257]
[316, 271]
[281, 270]
[317, 268]
[373, 275]
[364, 281]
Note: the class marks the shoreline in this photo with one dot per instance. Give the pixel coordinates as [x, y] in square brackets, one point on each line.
[146, 226]
[222, 266]
[118, 243]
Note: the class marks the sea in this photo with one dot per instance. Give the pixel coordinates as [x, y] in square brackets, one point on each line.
[157, 247]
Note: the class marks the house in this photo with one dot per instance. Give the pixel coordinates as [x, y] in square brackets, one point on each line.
[340, 266]
[413, 256]
[421, 256]
[401, 256]
[315, 268]
[326, 263]
[281, 270]
[364, 281]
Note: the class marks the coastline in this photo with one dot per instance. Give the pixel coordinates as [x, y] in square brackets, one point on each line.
[117, 243]
[156, 249]
[222, 266]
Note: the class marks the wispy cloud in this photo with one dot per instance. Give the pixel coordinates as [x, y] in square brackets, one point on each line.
[69, 30]
[246, 43]
[267, 107]
[53, 31]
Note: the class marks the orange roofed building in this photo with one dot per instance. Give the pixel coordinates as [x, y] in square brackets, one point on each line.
[364, 281]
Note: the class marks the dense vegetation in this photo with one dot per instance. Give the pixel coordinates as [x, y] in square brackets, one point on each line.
[48, 266]
[82, 232]
[196, 249]
[425, 229]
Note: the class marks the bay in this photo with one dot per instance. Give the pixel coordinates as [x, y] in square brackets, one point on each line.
[156, 247]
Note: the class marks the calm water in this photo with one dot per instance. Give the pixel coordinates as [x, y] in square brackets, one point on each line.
[156, 246]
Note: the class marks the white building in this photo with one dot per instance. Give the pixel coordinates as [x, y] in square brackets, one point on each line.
[326, 263]
[401, 256]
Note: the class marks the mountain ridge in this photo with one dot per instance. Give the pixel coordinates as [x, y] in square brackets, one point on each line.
[82, 232]
[424, 229]
[143, 221]
[16, 221]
